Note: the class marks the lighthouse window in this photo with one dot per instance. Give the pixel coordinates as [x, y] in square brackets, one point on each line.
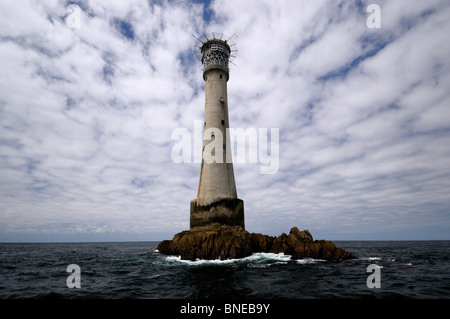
[224, 147]
[220, 75]
[212, 134]
[223, 122]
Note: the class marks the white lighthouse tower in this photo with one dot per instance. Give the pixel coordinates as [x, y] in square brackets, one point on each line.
[216, 201]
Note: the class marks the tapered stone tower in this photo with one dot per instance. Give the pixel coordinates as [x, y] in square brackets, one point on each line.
[216, 200]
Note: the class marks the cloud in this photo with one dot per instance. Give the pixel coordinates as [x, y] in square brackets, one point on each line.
[86, 116]
[351, 146]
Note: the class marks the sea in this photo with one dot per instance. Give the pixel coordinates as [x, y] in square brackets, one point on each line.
[136, 270]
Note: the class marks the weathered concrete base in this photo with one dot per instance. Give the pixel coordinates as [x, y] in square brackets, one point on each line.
[225, 211]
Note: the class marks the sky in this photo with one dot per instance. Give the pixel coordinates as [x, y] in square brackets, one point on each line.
[89, 100]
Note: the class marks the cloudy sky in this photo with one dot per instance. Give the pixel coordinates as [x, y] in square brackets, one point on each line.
[86, 116]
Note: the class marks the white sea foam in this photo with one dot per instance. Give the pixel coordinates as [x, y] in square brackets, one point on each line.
[177, 259]
[308, 261]
[281, 257]
[254, 258]
[371, 258]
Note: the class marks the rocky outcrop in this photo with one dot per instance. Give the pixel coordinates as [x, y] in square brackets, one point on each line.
[231, 242]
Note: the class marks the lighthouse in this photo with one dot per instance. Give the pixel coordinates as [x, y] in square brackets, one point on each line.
[217, 201]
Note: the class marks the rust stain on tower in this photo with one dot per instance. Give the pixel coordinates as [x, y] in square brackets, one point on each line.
[217, 200]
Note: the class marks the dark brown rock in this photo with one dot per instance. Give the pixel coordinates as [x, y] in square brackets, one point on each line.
[230, 242]
[220, 242]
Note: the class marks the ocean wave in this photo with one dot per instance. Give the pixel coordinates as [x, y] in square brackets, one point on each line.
[256, 260]
[197, 262]
[281, 257]
[256, 257]
[369, 258]
[309, 261]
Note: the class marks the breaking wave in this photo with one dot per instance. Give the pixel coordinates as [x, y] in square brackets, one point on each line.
[257, 259]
